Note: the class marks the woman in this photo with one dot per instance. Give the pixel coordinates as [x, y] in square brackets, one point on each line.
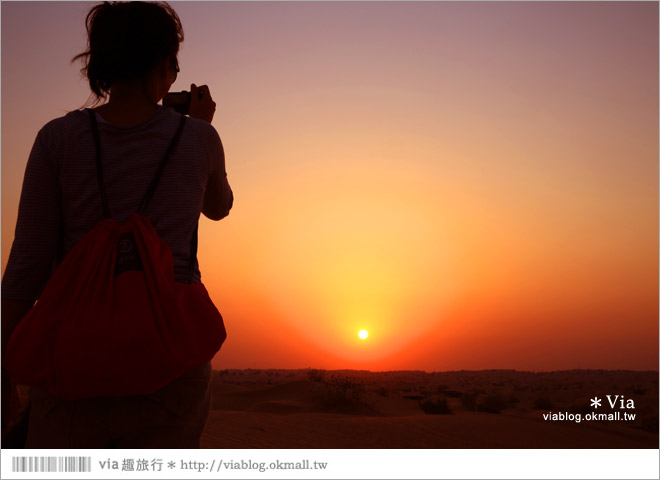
[131, 61]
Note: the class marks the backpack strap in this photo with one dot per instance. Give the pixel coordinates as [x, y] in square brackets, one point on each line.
[152, 186]
[193, 253]
[154, 181]
[99, 169]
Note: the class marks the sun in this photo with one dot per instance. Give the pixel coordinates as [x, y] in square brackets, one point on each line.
[363, 334]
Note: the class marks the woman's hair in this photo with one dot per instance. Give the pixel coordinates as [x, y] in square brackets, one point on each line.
[126, 40]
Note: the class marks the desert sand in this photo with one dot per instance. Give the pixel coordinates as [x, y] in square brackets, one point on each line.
[311, 408]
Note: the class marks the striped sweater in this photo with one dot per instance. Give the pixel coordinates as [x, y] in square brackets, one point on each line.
[60, 200]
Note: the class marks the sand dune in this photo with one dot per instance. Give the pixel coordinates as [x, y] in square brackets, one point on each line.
[349, 409]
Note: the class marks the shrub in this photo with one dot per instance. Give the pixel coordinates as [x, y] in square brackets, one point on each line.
[316, 375]
[543, 403]
[384, 392]
[469, 401]
[493, 403]
[437, 406]
[453, 393]
[637, 390]
[344, 394]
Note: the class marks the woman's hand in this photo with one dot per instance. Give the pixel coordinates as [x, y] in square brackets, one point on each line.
[202, 105]
[13, 312]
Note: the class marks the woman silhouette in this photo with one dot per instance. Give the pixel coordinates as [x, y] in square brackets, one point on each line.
[131, 62]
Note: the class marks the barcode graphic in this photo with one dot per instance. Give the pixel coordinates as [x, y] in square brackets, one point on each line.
[51, 464]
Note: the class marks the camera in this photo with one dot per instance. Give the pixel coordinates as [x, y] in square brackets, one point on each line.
[179, 101]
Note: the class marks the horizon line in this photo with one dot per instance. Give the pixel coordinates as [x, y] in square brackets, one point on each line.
[440, 371]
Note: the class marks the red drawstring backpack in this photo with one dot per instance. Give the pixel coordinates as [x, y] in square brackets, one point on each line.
[112, 321]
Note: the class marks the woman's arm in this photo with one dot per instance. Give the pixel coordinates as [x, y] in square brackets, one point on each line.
[36, 239]
[34, 250]
[218, 198]
[12, 313]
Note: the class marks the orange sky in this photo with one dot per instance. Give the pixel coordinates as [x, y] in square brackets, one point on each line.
[475, 184]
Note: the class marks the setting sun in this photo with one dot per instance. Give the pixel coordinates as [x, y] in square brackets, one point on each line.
[363, 334]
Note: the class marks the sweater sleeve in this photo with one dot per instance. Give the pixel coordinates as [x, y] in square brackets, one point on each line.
[218, 198]
[34, 250]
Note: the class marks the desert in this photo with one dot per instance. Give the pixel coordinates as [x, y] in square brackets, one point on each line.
[347, 409]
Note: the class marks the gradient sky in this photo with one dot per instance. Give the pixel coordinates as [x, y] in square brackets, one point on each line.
[475, 184]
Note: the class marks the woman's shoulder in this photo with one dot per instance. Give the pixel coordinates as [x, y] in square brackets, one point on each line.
[56, 133]
[203, 129]
[73, 118]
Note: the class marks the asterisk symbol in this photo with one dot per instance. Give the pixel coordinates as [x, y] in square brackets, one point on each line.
[595, 402]
[171, 465]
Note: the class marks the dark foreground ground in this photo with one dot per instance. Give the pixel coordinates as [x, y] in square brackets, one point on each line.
[464, 409]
